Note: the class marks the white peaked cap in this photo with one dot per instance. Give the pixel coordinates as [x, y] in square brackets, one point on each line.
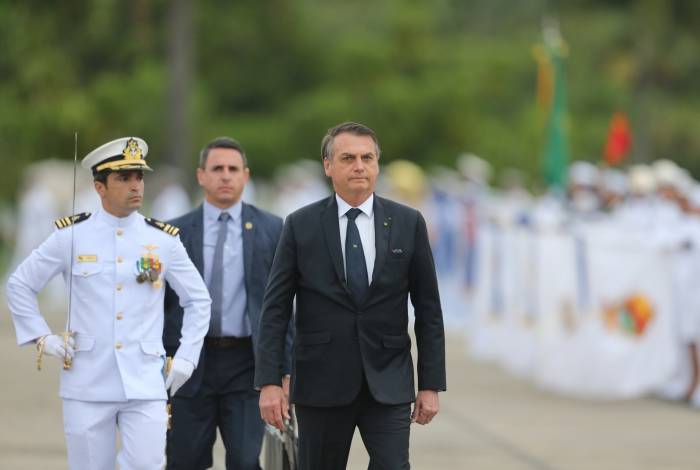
[667, 173]
[583, 173]
[474, 168]
[614, 181]
[127, 153]
[642, 179]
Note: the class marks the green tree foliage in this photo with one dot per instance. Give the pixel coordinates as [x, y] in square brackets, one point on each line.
[433, 78]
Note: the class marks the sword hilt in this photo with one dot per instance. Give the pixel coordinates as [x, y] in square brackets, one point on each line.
[67, 360]
[168, 405]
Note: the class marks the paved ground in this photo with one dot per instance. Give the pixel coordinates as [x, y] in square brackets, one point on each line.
[488, 421]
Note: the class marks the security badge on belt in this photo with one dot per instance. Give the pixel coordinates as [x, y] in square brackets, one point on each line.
[149, 268]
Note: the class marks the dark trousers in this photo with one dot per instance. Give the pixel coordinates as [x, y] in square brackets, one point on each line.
[325, 434]
[226, 400]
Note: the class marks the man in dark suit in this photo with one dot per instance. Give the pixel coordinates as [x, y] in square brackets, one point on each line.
[232, 244]
[352, 261]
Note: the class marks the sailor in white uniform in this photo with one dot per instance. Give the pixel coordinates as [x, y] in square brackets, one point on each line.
[119, 262]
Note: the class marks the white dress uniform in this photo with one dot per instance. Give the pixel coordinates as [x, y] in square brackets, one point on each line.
[117, 378]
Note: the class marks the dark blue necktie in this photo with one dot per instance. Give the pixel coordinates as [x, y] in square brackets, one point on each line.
[355, 265]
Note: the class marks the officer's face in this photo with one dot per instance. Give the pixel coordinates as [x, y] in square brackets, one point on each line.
[223, 177]
[123, 193]
[353, 167]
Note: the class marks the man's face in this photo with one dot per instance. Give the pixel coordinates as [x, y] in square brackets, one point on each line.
[123, 193]
[223, 177]
[353, 167]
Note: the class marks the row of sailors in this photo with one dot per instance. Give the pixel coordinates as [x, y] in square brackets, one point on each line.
[659, 203]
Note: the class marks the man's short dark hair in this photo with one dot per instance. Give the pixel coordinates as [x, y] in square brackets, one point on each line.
[221, 143]
[101, 176]
[346, 127]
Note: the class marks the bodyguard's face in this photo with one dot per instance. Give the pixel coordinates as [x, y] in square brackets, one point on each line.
[353, 167]
[123, 193]
[223, 177]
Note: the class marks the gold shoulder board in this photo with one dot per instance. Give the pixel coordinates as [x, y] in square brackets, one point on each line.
[167, 228]
[64, 222]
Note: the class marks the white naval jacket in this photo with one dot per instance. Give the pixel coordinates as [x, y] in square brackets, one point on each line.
[118, 323]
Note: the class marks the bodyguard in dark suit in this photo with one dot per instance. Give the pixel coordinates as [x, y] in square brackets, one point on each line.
[232, 245]
[352, 261]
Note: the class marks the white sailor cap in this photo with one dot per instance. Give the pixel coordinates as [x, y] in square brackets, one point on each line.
[614, 181]
[641, 179]
[474, 168]
[127, 153]
[583, 173]
[667, 173]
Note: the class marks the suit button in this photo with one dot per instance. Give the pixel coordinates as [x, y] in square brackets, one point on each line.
[120, 259]
[120, 232]
[119, 286]
[118, 345]
[120, 316]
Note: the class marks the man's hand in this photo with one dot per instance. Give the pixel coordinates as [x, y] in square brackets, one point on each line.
[426, 407]
[285, 386]
[180, 371]
[55, 345]
[274, 406]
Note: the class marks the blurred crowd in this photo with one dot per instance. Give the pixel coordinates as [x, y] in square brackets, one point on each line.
[589, 292]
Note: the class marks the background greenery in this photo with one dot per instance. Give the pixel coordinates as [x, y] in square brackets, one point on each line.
[434, 78]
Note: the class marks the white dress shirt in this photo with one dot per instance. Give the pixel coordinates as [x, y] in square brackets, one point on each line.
[365, 225]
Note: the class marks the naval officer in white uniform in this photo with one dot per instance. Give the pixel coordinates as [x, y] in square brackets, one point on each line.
[119, 262]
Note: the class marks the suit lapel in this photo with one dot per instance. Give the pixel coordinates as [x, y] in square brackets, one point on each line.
[331, 230]
[196, 248]
[382, 230]
[248, 235]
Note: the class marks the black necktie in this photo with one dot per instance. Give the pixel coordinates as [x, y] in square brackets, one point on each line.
[355, 264]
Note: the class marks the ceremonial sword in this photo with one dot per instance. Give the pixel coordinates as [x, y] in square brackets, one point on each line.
[67, 360]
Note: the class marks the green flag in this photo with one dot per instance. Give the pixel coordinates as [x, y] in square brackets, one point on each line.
[556, 151]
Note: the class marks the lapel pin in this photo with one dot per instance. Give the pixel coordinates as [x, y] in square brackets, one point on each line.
[397, 251]
[249, 225]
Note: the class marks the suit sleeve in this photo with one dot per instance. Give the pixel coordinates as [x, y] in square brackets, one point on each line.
[25, 283]
[289, 339]
[276, 311]
[185, 280]
[429, 329]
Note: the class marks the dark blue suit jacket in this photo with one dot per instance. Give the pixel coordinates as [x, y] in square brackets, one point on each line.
[338, 342]
[260, 232]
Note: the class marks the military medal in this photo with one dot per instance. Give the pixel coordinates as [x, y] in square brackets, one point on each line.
[149, 268]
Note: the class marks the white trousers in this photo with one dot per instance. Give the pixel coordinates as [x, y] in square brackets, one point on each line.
[91, 434]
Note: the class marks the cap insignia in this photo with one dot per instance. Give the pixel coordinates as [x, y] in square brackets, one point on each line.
[132, 151]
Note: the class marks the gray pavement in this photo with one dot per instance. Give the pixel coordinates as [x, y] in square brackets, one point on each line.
[488, 420]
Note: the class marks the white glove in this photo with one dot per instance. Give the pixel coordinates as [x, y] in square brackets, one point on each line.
[180, 371]
[54, 345]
